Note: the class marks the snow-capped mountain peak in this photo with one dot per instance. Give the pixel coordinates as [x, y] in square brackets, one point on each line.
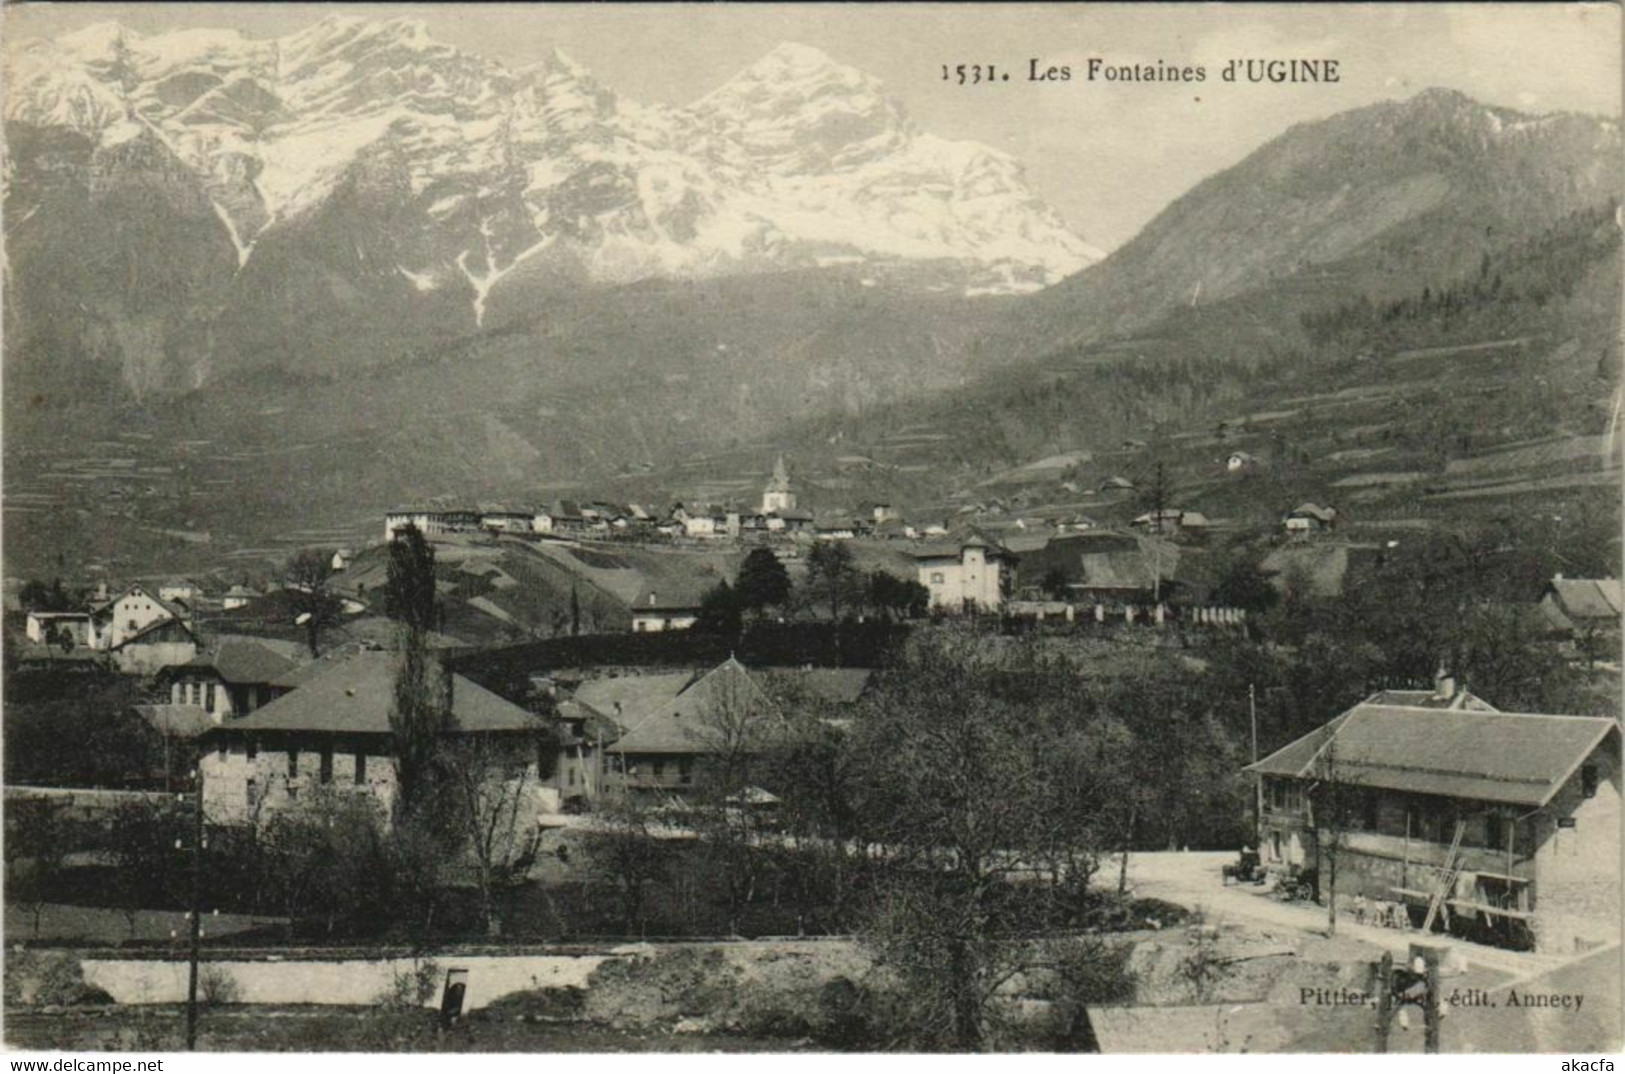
[797, 160]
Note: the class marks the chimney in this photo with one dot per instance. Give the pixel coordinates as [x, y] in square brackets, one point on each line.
[1444, 685]
[651, 598]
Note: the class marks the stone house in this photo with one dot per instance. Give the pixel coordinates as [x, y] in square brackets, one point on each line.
[331, 735]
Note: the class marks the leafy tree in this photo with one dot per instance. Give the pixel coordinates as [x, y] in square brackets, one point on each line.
[1242, 585]
[762, 581]
[38, 596]
[409, 596]
[899, 598]
[328, 865]
[316, 607]
[831, 575]
[719, 611]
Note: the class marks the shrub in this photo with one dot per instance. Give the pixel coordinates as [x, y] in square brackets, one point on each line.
[216, 986]
[45, 979]
[845, 1010]
[410, 989]
[773, 1018]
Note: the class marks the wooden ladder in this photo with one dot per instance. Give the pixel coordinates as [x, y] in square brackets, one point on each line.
[1447, 880]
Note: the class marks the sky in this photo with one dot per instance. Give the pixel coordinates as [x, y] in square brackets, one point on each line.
[1108, 156]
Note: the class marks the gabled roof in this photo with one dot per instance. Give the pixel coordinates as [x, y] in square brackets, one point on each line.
[149, 634]
[679, 723]
[151, 593]
[624, 698]
[353, 695]
[244, 660]
[1513, 758]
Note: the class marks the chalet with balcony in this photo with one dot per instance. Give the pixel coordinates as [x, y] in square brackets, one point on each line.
[1496, 826]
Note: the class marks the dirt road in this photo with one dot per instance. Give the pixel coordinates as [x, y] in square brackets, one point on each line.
[1193, 879]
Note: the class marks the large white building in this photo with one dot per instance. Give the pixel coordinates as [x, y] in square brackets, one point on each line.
[969, 575]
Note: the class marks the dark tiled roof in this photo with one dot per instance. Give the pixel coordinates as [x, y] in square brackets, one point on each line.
[1515, 758]
[681, 724]
[244, 660]
[353, 695]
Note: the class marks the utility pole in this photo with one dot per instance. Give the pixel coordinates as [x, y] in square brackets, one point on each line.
[1258, 781]
[196, 914]
[1414, 984]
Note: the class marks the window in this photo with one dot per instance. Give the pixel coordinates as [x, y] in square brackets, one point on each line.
[360, 768]
[251, 792]
[293, 763]
[220, 751]
[208, 698]
[572, 779]
[938, 578]
[327, 764]
[1588, 780]
[253, 748]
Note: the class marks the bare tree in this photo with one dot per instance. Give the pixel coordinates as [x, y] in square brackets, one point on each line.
[962, 784]
[735, 726]
[623, 850]
[36, 843]
[492, 786]
[316, 607]
[1332, 807]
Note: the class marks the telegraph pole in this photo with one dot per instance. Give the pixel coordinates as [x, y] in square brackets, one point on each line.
[196, 914]
[1258, 781]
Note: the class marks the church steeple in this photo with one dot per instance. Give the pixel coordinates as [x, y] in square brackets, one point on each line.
[778, 495]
